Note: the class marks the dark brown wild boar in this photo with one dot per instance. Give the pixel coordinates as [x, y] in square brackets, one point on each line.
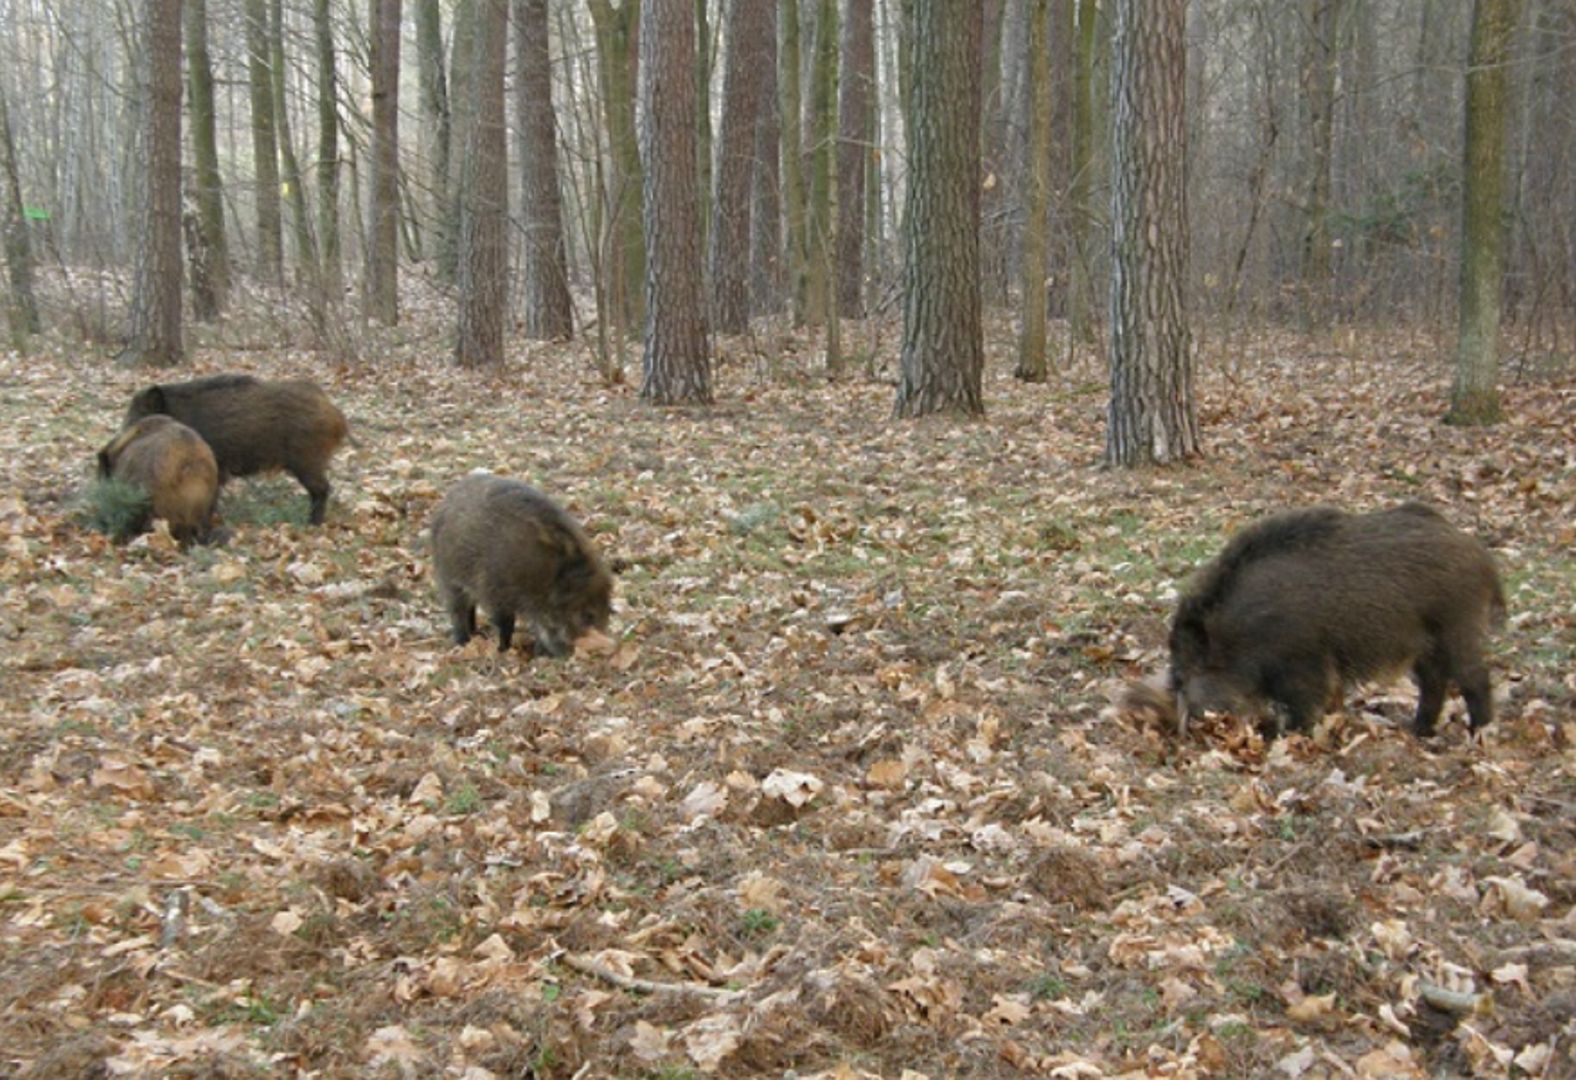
[255, 425]
[170, 462]
[1302, 604]
[504, 546]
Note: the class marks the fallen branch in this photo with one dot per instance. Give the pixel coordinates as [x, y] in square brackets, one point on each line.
[1450, 1001]
[645, 986]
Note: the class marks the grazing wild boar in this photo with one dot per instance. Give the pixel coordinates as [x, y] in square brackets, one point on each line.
[1304, 603]
[506, 547]
[255, 425]
[170, 462]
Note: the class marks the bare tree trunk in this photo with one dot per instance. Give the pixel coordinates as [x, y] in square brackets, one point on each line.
[383, 256]
[943, 356]
[1031, 339]
[21, 305]
[484, 196]
[766, 225]
[748, 57]
[1079, 208]
[1320, 57]
[549, 312]
[210, 258]
[1152, 419]
[265, 146]
[792, 115]
[618, 32]
[677, 364]
[996, 210]
[855, 113]
[436, 130]
[327, 153]
[300, 219]
[155, 332]
[820, 244]
[1475, 397]
[703, 133]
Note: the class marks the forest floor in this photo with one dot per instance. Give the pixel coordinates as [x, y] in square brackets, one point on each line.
[847, 792]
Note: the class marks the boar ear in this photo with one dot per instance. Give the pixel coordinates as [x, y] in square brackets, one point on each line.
[151, 400]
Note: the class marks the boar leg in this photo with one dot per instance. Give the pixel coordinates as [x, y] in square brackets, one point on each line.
[317, 488]
[1300, 688]
[1432, 685]
[462, 616]
[504, 621]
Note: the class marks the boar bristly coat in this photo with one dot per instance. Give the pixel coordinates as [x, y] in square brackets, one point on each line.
[176, 468]
[256, 425]
[1302, 604]
[506, 547]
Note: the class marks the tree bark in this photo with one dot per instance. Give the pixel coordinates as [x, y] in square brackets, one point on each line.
[820, 244]
[327, 153]
[383, 256]
[748, 55]
[766, 224]
[549, 312]
[855, 115]
[618, 30]
[1320, 58]
[436, 131]
[1032, 365]
[210, 262]
[1079, 209]
[1152, 419]
[677, 365]
[265, 146]
[484, 196]
[791, 111]
[21, 303]
[943, 354]
[1474, 399]
[295, 193]
[155, 333]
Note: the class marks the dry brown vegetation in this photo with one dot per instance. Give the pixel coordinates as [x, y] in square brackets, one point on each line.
[846, 793]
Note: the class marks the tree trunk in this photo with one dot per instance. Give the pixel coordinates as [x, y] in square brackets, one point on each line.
[748, 56]
[1475, 397]
[943, 355]
[677, 365]
[855, 113]
[703, 133]
[21, 304]
[819, 242]
[265, 146]
[295, 193]
[436, 131]
[1032, 366]
[155, 333]
[766, 224]
[792, 115]
[484, 196]
[1152, 418]
[327, 153]
[462, 111]
[1079, 209]
[618, 55]
[549, 312]
[210, 259]
[1320, 58]
[383, 253]
[996, 201]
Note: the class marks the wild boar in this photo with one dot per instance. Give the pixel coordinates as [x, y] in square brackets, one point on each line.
[1302, 604]
[505, 546]
[255, 425]
[173, 464]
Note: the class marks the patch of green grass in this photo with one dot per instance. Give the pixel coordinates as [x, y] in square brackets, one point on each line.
[757, 921]
[1047, 987]
[463, 800]
[115, 508]
[270, 500]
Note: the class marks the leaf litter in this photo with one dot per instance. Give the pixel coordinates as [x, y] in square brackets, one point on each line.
[844, 791]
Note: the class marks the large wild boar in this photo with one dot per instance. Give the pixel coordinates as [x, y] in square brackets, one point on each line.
[255, 425]
[1302, 604]
[170, 462]
[506, 547]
